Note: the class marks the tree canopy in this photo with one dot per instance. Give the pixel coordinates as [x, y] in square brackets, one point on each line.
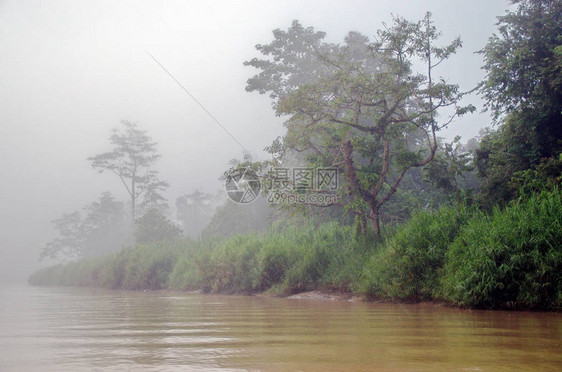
[360, 106]
[523, 90]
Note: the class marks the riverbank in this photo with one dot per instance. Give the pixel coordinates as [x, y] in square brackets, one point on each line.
[326, 296]
[509, 258]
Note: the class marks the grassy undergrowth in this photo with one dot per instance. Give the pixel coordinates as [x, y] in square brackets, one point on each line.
[512, 257]
[283, 260]
[509, 258]
[141, 267]
[410, 262]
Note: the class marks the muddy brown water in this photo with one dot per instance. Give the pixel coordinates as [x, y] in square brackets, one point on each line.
[75, 329]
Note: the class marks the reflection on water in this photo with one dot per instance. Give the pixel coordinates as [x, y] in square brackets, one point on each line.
[87, 329]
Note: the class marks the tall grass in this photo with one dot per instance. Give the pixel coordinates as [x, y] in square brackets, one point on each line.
[511, 258]
[410, 262]
[284, 260]
[142, 267]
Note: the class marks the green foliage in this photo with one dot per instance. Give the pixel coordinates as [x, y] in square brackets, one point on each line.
[359, 106]
[509, 258]
[285, 260]
[79, 273]
[523, 61]
[451, 170]
[324, 257]
[508, 161]
[409, 263]
[545, 176]
[523, 88]
[513, 148]
[146, 266]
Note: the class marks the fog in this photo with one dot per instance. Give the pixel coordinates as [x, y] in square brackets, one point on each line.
[72, 70]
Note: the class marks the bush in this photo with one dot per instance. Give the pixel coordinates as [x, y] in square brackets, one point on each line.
[186, 274]
[322, 259]
[149, 266]
[409, 263]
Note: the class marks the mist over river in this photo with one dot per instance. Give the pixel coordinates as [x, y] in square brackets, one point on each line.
[75, 329]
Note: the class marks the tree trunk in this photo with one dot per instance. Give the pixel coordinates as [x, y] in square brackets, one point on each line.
[133, 211]
[375, 220]
[133, 200]
[360, 225]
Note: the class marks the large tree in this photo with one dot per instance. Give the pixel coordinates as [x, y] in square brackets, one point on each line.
[360, 106]
[523, 90]
[132, 161]
[523, 62]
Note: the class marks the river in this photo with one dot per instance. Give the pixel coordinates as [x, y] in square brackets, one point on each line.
[75, 329]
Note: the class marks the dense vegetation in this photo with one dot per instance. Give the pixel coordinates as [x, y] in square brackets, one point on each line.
[476, 225]
[510, 258]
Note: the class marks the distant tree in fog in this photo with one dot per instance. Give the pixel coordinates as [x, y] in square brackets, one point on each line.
[153, 226]
[106, 225]
[153, 199]
[132, 160]
[70, 243]
[195, 211]
[232, 218]
[103, 230]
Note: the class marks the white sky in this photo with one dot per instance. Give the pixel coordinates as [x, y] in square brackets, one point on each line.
[71, 70]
